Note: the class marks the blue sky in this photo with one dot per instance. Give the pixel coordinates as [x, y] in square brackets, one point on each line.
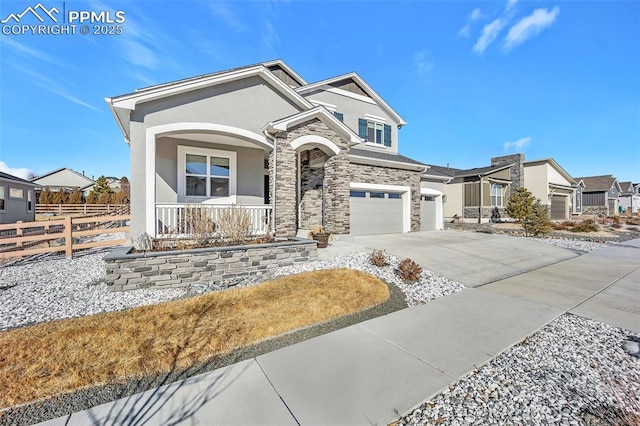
[473, 79]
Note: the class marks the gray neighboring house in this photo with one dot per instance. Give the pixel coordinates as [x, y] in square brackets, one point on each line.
[294, 154]
[600, 195]
[629, 198]
[65, 178]
[17, 199]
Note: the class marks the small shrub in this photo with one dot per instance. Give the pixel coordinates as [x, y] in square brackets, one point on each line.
[317, 229]
[198, 224]
[408, 270]
[563, 226]
[585, 226]
[378, 258]
[234, 224]
[537, 222]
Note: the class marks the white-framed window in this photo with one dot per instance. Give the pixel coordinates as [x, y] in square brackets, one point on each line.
[496, 195]
[16, 193]
[29, 200]
[3, 199]
[374, 132]
[206, 173]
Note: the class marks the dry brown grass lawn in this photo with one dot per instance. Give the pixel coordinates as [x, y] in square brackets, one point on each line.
[57, 357]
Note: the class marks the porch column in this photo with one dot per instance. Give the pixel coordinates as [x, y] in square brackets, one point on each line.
[286, 182]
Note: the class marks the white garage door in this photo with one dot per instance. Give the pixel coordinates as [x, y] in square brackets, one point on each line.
[375, 212]
[427, 212]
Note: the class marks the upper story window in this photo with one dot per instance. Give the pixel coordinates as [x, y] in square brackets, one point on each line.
[374, 132]
[206, 173]
[339, 115]
[496, 195]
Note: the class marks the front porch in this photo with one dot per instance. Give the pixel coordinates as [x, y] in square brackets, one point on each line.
[182, 219]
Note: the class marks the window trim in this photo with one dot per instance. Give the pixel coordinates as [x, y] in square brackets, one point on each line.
[21, 197]
[183, 151]
[5, 192]
[497, 197]
[30, 197]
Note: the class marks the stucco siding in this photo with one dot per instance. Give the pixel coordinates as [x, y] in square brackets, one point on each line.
[536, 181]
[247, 104]
[352, 109]
[453, 204]
[250, 170]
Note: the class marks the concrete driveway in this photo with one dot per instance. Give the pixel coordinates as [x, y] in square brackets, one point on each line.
[470, 258]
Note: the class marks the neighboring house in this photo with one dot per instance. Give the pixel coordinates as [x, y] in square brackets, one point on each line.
[476, 195]
[553, 186]
[261, 136]
[481, 194]
[17, 199]
[66, 179]
[629, 198]
[600, 195]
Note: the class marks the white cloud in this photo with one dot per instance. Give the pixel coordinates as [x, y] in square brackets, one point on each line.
[53, 86]
[517, 145]
[270, 37]
[489, 34]
[466, 30]
[422, 61]
[32, 53]
[510, 4]
[21, 172]
[227, 15]
[530, 26]
[138, 54]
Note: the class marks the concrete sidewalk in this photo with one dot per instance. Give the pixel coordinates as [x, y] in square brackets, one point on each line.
[380, 369]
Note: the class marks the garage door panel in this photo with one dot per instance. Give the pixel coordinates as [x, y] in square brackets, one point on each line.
[375, 215]
[558, 207]
[427, 215]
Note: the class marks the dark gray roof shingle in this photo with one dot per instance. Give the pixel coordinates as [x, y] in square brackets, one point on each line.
[387, 156]
[597, 183]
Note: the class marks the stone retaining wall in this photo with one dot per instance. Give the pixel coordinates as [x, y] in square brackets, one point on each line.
[182, 268]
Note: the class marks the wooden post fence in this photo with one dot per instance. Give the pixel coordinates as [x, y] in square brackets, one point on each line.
[28, 238]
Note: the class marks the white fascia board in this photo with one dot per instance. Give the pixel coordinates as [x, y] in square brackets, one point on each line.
[112, 108]
[130, 101]
[385, 163]
[375, 118]
[328, 106]
[437, 177]
[372, 93]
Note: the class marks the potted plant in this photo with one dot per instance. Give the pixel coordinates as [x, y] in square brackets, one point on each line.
[319, 234]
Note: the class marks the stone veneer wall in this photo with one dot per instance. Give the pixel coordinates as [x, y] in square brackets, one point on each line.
[385, 176]
[487, 213]
[336, 180]
[311, 186]
[181, 268]
[517, 170]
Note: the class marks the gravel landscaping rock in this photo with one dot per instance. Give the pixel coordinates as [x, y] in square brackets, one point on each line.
[58, 287]
[573, 371]
[576, 245]
[429, 287]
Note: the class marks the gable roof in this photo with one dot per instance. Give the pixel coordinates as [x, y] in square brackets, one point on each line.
[122, 105]
[435, 170]
[599, 183]
[62, 169]
[363, 84]
[280, 63]
[12, 178]
[553, 164]
[320, 113]
[627, 188]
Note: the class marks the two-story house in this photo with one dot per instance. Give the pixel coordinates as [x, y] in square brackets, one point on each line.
[294, 154]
